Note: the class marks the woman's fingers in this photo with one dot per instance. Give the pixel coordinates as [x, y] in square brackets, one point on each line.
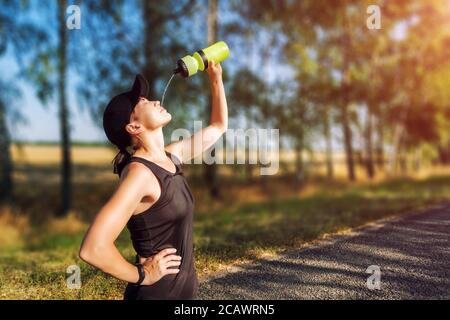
[172, 271]
[165, 252]
[214, 69]
[215, 66]
[172, 264]
[170, 258]
[163, 260]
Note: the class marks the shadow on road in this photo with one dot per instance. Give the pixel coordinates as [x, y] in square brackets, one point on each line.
[413, 254]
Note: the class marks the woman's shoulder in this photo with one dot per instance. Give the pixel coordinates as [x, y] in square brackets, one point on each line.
[136, 177]
[136, 169]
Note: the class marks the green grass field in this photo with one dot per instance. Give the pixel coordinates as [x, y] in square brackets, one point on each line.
[252, 219]
[34, 257]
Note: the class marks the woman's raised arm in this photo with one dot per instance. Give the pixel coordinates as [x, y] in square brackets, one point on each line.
[201, 140]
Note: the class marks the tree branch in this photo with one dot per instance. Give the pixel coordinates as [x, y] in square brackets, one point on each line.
[186, 8]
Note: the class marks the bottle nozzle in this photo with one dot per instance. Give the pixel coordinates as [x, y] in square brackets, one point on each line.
[181, 69]
[177, 70]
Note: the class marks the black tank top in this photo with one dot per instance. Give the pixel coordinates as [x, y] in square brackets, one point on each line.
[166, 224]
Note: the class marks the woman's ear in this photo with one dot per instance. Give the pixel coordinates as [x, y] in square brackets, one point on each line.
[134, 128]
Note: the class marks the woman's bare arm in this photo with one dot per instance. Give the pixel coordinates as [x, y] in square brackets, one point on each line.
[98, 248]
[201, 140]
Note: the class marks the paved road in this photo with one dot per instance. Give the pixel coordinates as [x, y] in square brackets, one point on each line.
[413, 253]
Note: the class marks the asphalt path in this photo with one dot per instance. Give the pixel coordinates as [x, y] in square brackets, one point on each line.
[409, 255]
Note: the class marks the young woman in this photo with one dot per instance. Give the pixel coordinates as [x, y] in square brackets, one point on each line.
[153, 198]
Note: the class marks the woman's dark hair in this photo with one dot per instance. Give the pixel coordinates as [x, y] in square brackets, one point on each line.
[121, 160]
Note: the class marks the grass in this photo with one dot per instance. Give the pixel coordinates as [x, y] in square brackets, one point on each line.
[250, 230]
[249, 222]
[34, 267]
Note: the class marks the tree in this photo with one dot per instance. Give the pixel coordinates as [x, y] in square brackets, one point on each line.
[149, 41]
[246, 100]
[66, 166]
[303, 22]
[211, 169]
[115, 58]
[17, 36]
[6, 165]
[48, 73]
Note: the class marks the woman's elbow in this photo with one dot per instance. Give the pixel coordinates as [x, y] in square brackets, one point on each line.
[84, 254]
[89, 254]
[223, 127]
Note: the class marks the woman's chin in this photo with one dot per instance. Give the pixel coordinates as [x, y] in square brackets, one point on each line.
[167, 118]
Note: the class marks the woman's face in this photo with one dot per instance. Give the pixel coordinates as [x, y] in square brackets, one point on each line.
[151, 114]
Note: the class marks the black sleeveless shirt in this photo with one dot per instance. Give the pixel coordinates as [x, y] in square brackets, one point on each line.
[166, 224]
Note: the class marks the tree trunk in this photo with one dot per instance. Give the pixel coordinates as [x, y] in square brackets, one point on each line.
[399, 162]
[394, 159]
[379, 148]
[66, 168]
[348, 143]
[346, 86]
[299, 174]
[6, 166]
[368, 137]
[299, 168]
[248, 166]
[417, 160]
[150, 69]
[211, 169]
[403, 163]
[444, 153]
[328, 143]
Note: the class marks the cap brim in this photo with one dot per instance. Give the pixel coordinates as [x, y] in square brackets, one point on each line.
[139, 89]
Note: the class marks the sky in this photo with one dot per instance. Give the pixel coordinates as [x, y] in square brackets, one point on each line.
[43, 124]
[42, 121]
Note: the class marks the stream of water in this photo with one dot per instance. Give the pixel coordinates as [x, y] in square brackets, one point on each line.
[165, 89]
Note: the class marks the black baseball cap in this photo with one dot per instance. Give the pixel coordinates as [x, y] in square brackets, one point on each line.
[118, 111]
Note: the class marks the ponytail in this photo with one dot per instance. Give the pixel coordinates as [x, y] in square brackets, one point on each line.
[120, 160]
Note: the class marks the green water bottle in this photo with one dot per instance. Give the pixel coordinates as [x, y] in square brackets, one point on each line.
[189, 65]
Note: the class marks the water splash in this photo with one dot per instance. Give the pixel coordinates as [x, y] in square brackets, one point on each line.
[165, 89]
